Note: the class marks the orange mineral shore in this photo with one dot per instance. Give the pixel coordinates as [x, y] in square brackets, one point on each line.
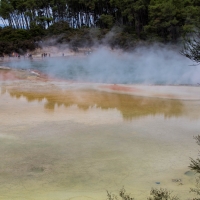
[184, 92]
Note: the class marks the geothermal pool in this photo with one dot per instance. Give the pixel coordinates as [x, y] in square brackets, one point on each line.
[97, 124]
[66, 140]
[145, 66]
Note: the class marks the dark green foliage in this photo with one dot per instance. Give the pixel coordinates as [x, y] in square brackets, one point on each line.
[156, 194]
[106, 21]
[22, 39]
[58, 28]
[6, 48]
[170, 19]
[161, 194]
[122, 194]
[36, 31]
[74, 20]
[15, 40]
[197, 138]
[156, 18]
[195, 164]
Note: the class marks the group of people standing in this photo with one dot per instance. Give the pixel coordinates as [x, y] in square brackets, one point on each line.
[45, 55]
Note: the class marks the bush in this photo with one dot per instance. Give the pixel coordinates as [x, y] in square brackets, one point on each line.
[58, 28]
[161, 194]
[122, 194]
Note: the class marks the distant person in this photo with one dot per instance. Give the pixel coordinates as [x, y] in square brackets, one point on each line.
[49, 55]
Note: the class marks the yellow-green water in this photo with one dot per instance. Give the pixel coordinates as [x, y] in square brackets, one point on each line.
[76, 144]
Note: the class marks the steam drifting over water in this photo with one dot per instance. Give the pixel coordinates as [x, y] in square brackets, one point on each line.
[154, 65]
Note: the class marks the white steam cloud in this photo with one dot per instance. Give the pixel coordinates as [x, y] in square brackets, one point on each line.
[144, 65]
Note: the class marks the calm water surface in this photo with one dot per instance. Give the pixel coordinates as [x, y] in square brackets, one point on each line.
[106, 67]
[76, 144]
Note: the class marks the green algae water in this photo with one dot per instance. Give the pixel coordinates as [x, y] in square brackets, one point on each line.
[79, 143]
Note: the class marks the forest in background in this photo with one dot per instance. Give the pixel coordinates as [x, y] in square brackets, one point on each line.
[82, 22]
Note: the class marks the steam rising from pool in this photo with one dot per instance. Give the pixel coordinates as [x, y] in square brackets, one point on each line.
[153, 65]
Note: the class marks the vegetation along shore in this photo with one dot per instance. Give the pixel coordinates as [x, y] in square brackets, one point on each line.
[26, 25]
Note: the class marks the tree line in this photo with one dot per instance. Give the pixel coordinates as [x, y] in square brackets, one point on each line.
[81, 22]
[166, 20]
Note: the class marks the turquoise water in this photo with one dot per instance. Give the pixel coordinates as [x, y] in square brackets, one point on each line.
[115, 69]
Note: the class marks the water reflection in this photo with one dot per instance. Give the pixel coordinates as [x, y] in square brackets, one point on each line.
[129, 106]
[43, 158]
